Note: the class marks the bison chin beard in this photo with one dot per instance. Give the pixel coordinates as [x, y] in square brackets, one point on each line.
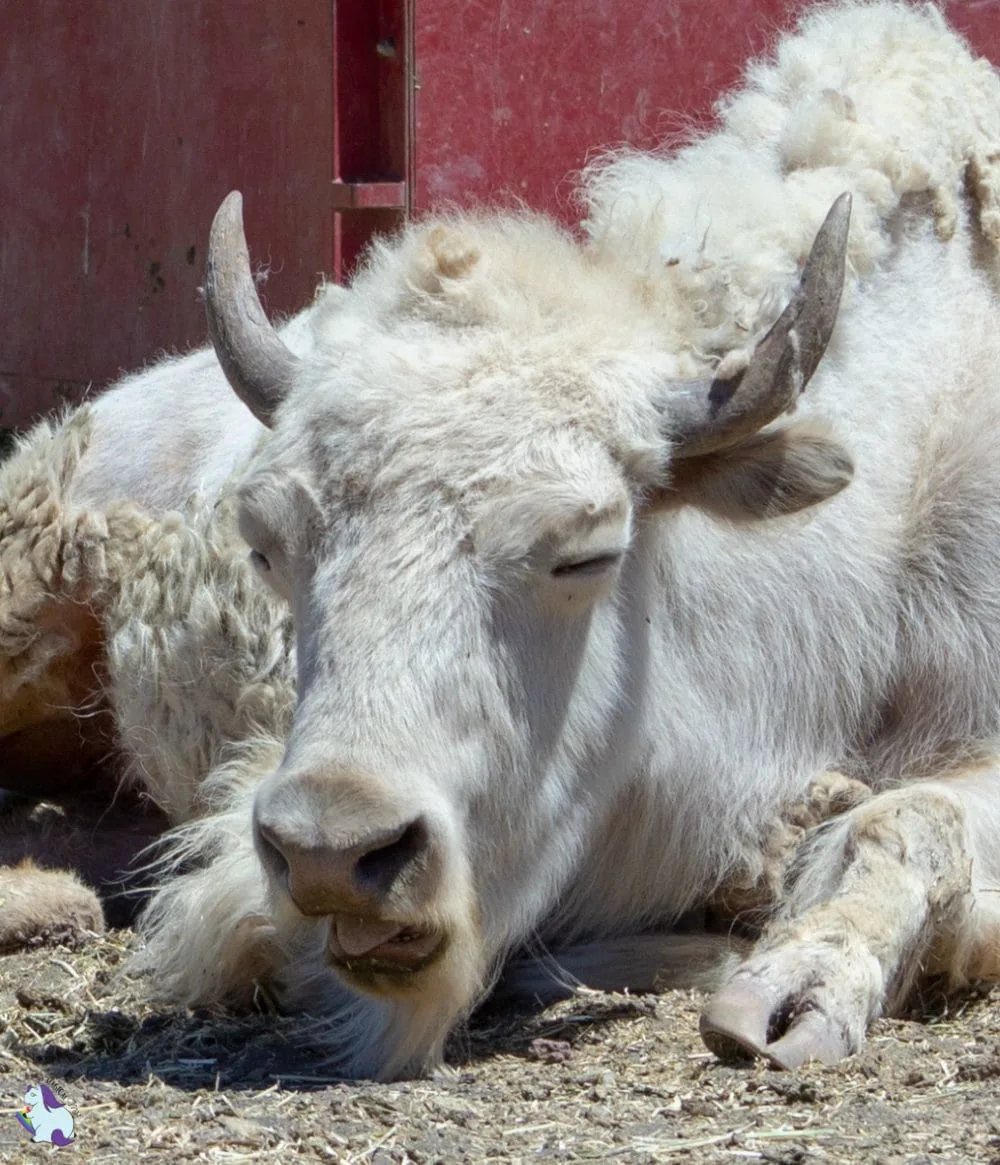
[383, 1026]
[383, 1035]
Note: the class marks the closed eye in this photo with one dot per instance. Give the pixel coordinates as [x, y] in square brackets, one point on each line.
[586, 566]
[260, 562]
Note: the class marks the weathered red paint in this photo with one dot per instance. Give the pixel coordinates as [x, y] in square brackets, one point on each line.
[512, 97]
[122, 125]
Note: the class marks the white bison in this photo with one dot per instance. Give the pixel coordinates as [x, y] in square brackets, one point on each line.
[578, 610]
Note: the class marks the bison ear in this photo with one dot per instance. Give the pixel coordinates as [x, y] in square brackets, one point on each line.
[766, 476]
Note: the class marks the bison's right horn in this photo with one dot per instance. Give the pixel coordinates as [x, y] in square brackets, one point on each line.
[255, 360]
[704, 416]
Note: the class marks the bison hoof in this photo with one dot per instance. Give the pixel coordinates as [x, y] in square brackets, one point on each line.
[746, 1020]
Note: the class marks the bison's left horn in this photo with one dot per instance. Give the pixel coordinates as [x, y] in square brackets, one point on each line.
[706, 415]
[256, 362]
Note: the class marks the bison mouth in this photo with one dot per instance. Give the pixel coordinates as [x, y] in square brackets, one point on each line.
[362, 946]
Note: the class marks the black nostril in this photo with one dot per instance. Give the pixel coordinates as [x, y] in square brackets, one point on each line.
[377, 870]
[274, 861]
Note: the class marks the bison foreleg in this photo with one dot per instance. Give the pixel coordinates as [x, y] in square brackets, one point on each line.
[900, 886]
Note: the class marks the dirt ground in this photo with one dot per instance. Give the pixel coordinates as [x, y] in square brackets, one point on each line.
[598, 1078]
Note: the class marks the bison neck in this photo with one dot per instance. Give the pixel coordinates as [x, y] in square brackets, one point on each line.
[858, 635]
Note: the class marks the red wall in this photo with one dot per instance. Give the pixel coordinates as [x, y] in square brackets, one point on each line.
[512, 96]
[122, 125]
[124, 122]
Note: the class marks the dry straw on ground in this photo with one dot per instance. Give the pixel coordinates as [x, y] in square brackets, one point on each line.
[598, 1078]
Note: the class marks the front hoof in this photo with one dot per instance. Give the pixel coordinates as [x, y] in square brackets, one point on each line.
[745, 1020]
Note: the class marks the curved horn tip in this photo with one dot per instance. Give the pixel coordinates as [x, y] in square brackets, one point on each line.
[226, 234]
[838, 218]
[841, 204]
[828, 254]
[256, 362]
[230, 212]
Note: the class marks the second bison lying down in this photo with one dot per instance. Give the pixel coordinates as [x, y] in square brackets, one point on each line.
[550, 612]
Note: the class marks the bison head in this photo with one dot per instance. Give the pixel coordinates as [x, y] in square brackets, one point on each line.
[455, 499]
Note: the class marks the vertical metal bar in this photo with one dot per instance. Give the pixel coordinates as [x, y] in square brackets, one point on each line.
[372, 47]
[338, 256]
[410, 81]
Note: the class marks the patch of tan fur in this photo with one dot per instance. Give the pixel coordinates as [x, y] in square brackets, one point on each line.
[69, 635]
[747, 894]
[454, 256]
[983, 181]
[45, 907]
[970, 954]
[55, 571]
